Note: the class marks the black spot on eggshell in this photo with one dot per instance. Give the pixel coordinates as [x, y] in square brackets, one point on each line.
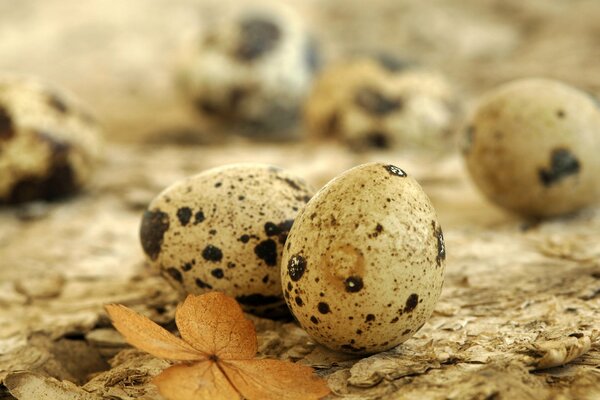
[377, 140]
[198, 217]
[244, 238]
[212, 253]
[299, 301]
[184, 214]
[154, 225]
[57, 103]
[296, 267]
[376, 103]
[293, 184]
[267, 251]
[6, 124]
[258, 36]
[562, 164]
[353, 284]
[411, 302]
[187, 266]
[441, 247]
[284, 227]
[392, 169]
[314, 319]
[217, 273]
[391, 63]
[58, 181]
[202, 285]
[175, 274]
[255, 300]
[369, 318]
[323, 308]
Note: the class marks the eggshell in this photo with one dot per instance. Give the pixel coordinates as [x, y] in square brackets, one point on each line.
[49, 143]
[224, 230]
[371, 103]
[532, 145]
[363, 265]
[250, 71]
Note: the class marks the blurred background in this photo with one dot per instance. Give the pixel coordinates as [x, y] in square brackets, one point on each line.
[119, 57]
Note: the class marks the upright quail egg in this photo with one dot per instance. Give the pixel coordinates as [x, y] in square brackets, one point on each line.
[224, 230]
[373, 103]
[251, 72]
[363, 265]
[48, 142]
[532, 145]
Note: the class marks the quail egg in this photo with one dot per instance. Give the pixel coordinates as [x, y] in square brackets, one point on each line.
[375, 103]
[532, 145]
[49, 144]
[363, 265]
[251, 72]
[224, 230]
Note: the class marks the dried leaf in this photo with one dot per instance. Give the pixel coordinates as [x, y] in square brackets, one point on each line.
[144, 334]
[274, 380]
[215, 324]
[203, 380]
[223, 342]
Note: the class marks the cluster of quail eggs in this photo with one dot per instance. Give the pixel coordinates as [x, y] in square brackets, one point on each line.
[49, 143]
[360, 265]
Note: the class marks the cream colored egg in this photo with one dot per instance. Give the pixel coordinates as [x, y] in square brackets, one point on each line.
[224, 230]
[363, 265]
[532, 146]
[371, 103]
[250, 71]
[49, 143]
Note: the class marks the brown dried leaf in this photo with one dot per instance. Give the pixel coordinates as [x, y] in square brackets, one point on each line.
[223, 342]
[202, 380]
[274, 380]
[215, 324]
[150, 337]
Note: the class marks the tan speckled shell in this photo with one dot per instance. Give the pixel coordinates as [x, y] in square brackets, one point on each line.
[423, 107]
[265, 91]
[49, 145]
[224, 230]
[363, 265]
[532, 146]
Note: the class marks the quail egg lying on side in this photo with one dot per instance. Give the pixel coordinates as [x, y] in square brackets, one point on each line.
[532, 146]
[251, 71]
[363, 265]
[374, 103]
[224, 230]
[49, 144]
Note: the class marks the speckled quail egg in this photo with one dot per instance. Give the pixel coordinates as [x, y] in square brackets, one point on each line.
[251, 72]
[532, 145]
[224, 230]
[49, 144]
[363, 265]
[375, 103]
